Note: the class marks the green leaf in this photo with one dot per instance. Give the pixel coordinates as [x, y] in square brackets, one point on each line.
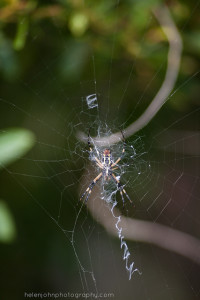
[7, 224]
[78, 24]
[14, 143]
[22, 32]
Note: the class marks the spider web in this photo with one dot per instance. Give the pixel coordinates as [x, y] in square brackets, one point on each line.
[160, 172]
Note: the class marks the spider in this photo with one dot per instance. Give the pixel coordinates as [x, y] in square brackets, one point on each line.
[107, 166]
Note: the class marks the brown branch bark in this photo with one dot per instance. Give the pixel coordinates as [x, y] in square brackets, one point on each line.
[174, 56]
[140, 230]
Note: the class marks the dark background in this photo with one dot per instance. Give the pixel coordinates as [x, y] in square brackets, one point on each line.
[51, 54]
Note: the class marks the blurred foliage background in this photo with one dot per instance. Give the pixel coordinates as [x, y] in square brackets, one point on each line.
[46, 46]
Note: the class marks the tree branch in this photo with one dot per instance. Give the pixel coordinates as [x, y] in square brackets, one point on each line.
[142, 231]
[174, 56]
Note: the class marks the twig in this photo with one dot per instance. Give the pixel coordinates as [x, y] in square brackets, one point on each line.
[174, 56]
[143, 231]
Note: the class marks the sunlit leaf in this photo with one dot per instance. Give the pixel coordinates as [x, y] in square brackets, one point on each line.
[78, 24]
[14, 143]
[22, 31]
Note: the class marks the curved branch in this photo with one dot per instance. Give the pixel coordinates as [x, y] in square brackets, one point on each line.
[138, 230]
[174, 56]
[143, 231]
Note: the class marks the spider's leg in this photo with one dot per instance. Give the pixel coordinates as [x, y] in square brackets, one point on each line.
[127, 196]
[99, 164]
[121, 189]
[121, 193]
[123, 151]
[90, 187]
[115, 168]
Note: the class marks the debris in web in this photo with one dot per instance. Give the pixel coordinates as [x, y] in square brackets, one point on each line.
[92, 101]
